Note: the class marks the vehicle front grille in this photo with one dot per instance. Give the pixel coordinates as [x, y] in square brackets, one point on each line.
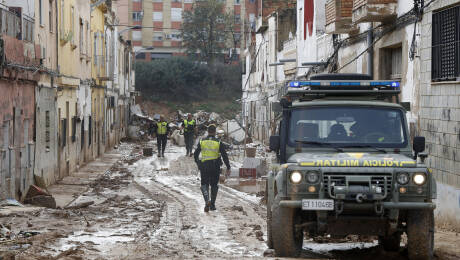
[377, 179]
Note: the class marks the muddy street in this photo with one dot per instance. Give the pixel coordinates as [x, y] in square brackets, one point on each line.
[149, 207]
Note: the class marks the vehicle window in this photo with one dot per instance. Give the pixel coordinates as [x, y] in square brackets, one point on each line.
[346, 126]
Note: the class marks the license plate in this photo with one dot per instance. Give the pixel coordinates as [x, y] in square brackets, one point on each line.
[313, 204]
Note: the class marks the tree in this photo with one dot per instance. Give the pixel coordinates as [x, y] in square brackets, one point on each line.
[206, 29]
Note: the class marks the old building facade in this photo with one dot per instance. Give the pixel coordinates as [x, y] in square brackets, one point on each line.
[54, 78]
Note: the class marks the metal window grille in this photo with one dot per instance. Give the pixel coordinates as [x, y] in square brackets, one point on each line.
[445, 52]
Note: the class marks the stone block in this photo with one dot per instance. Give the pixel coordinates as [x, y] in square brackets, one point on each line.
[453, 101]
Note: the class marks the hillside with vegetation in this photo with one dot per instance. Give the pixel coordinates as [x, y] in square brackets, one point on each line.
[180, 83]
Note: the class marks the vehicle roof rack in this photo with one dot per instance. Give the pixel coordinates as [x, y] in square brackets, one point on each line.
[314, 89]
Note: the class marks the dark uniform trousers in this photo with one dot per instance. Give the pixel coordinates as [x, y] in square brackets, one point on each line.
[210, 172]
[161, 143]
[188, 136]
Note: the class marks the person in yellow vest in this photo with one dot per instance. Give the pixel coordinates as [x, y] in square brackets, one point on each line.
[162, 130]
[189, 133]
[211, 150]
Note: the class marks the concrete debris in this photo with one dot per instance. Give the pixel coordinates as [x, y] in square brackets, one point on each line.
[10, 202]
[269, 253]
[233, 130]
[177, 138]
[255, 163]
[35, 191]
[81, 205]
[46, 201]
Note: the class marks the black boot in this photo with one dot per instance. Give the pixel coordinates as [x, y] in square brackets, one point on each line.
[213, 197]
[205, 192]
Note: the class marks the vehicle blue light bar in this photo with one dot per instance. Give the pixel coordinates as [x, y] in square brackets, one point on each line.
[299, 84]
[340, 83]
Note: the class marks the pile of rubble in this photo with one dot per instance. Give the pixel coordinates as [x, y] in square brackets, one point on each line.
[230, 130]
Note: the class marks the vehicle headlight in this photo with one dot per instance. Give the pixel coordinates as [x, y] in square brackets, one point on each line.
[403, 178]
[312, 177]
[419, 178]
[296, 177]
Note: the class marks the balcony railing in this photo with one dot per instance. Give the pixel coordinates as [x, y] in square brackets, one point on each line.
[10, 24]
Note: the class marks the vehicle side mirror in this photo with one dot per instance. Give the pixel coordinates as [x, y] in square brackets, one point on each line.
[274, 143]
[419, 144]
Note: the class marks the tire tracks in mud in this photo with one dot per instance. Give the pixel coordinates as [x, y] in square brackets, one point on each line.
[184, 230]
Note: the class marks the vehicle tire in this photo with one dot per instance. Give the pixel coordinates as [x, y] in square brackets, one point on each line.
[269, 219]
[391, 243]
[420, 234]
[287, 242]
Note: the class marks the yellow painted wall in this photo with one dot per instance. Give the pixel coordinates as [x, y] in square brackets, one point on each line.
[69, 55]
[98, 45]
[98, 63]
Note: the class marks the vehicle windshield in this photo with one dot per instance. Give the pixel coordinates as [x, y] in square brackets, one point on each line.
[344, 127]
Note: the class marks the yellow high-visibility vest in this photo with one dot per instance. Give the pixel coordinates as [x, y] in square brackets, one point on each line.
[209, 150]
[161, 128]
[188, 123]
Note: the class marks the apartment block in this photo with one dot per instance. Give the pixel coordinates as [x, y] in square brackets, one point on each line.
[161, 21]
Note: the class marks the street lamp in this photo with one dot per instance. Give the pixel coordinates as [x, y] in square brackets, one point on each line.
[130, 28]
[143, 49]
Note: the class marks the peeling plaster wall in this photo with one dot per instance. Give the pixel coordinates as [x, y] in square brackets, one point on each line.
[46, 152]
[17, 112]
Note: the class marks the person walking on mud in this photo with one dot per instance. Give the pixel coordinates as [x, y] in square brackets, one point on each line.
[189, 133]
[162, 130]
[211, 150]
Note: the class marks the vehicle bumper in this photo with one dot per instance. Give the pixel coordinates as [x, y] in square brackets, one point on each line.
[386, 205]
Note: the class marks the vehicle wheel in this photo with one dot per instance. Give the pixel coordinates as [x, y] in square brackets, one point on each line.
[420, 234]
[269, 219]
[391, 243]
[286, 240]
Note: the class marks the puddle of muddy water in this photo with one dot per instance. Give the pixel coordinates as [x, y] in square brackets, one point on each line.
[251, 186]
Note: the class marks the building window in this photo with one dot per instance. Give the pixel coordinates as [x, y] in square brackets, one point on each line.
[445, 50]
[136, 35]
[50, 15]
[176, 1]
[158, 36]
[137, 16]
[40, 11]
[140, 56]
[95, 49]
[176, 14]
[88, 37]
[237, 2]
[72, 23]
[237, 18]
[158, 16]
[176, 36]
[47, 129]
[236, 37]
[154, 56]
[136, 1]
[81, 33]
[62, 17]
[396, 60]
[157, 1]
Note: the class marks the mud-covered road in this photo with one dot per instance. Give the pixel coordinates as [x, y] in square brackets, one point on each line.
[150, 208]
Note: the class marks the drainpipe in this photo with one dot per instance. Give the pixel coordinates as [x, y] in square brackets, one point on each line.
[370, 52]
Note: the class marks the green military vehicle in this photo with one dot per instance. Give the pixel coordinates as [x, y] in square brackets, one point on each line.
[346, 166]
